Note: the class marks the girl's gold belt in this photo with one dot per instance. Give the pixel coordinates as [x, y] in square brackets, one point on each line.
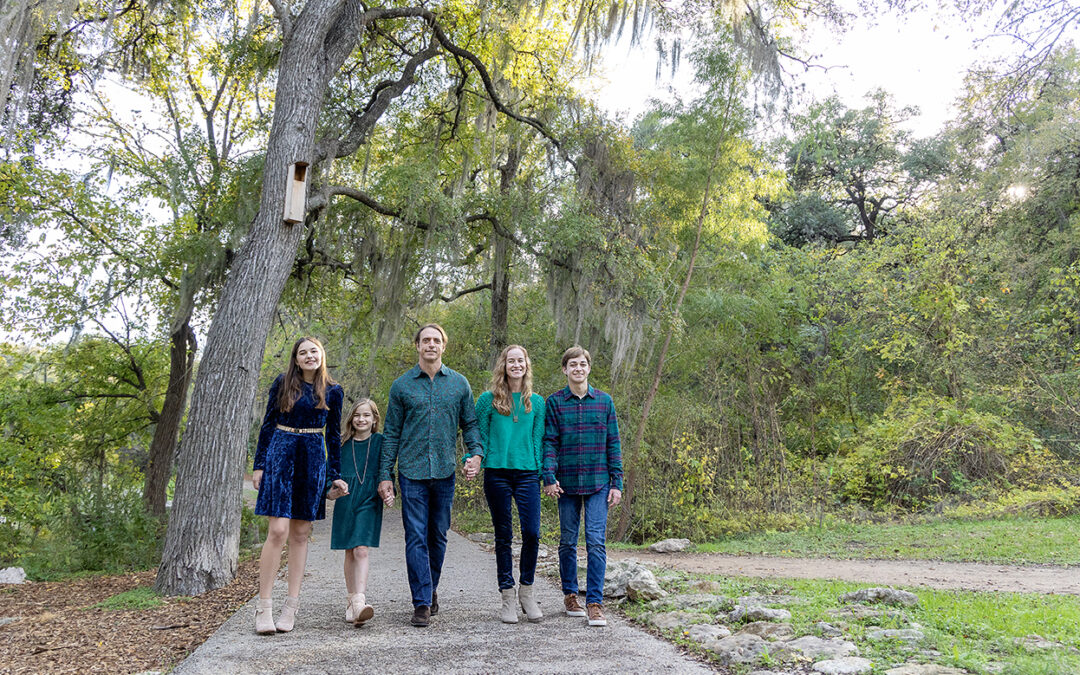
[293, 430]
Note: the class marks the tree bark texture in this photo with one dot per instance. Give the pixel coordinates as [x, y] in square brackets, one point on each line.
[163, 446]
[502, 251]
[202, 539]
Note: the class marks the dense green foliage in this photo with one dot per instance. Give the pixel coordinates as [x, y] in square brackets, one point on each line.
[76, 427]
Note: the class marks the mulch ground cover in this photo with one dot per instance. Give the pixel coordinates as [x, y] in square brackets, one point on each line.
[58, 629]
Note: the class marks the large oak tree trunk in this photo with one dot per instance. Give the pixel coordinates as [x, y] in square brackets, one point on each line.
[500, 276]
[202, 539]
[163, 446]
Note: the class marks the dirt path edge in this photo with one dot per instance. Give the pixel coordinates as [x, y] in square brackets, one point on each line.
[1045, 579]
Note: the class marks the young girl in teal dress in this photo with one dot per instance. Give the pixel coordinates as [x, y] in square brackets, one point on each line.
[358, 514]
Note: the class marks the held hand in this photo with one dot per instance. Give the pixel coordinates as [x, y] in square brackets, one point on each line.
[553, 490]
[256, 479]
[386, 491]
[340, 487]
[614, 496]
[472, 467]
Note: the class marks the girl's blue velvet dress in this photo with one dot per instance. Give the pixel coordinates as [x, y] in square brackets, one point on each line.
[298, 467]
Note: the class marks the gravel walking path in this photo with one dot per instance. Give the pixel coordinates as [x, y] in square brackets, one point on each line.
[466, 635]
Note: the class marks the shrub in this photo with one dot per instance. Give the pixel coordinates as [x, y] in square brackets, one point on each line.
[107, 530]
[926, 449]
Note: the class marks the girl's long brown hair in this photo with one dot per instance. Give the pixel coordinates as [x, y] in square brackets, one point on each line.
[293, 385]
[502, 397]
[347, 431]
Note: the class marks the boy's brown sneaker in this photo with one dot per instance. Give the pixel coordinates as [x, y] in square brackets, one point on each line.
[596, 615]
[421, 616]
[573, 607]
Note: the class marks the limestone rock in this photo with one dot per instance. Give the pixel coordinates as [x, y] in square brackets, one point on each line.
[888, 596]
[924, 669]
[902, 634]
[1037, 642]
[706, 586]
[630, 578]
[670, 546]
[702, 601]
[849, 665]
[768, 600]
[864, 612]
[677, 619]
[741, 613]
[742, 648]
[828, 630]
[482, 537]
[12, 575]
[815, 648]
[704, 632]
[644, 586]
[769, 630]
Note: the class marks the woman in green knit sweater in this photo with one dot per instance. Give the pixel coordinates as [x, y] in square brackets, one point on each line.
[511, 422]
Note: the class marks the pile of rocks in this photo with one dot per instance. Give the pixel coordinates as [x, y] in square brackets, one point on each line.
[748, 629]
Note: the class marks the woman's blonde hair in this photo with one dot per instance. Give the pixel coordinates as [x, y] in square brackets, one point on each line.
[502, 398]
[347, 430]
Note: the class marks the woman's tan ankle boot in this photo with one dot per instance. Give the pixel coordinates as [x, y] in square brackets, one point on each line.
[529, 604]
[264, 616]
[287, 619]
[508, 612]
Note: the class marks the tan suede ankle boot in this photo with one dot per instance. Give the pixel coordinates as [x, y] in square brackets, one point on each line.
[287, 618]
[508, 613]
[264, 616]
[361, 611]
[527, 597]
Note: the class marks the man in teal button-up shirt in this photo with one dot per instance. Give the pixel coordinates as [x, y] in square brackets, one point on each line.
[428, 405]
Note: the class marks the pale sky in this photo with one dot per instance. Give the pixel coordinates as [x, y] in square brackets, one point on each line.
[920, 58]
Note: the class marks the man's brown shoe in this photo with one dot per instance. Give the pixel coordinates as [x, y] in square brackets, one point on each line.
[421, 616]
[596, 615]
[573, 607]
[434, 603]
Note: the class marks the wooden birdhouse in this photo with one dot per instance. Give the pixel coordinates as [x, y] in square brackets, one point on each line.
[296, 193]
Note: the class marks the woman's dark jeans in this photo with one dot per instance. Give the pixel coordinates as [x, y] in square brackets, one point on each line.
[501, 487]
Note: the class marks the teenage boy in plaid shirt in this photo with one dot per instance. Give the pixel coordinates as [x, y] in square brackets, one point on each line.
[583, 469]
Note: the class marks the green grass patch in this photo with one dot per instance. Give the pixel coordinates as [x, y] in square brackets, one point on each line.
[980, 632]
[142, 597]
[1010, 540]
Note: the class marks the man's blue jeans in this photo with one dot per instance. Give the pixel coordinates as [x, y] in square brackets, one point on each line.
[596, 510]
[502, 487]
[425, 513]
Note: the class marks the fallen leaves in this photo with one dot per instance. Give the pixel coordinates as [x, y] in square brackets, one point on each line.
[59, 630]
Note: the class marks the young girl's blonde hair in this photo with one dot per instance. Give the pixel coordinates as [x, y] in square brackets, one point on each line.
[347, 430]
[502, 398]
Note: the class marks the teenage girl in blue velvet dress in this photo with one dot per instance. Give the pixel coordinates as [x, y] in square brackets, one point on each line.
[299, 453]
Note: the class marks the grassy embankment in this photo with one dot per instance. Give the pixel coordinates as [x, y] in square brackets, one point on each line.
[1012, 540]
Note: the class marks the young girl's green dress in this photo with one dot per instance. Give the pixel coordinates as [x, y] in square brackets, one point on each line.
[358, 515]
